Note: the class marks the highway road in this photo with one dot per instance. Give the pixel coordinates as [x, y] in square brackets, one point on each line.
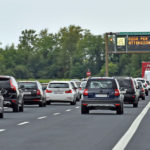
[62, 127]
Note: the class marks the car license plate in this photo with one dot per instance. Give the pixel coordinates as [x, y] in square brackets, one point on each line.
[58, 92]
[101, 95]
[27, 93]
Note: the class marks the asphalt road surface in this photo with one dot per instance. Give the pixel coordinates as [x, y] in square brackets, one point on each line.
[62, 127]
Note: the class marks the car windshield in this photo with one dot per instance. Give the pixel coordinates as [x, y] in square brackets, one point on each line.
[103, 84]
[27, 85]
[83, 84]
[58, 85]
[4, 83]
[126, 83]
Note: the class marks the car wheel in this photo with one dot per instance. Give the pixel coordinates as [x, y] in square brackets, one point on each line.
[41, 104]
[120, 110]
[84, 110]
[2, 115]
[143, 98]
[146, 93]
[21, 108]
[73, 103]
[15, 108]
[48, 102]
[135, 104]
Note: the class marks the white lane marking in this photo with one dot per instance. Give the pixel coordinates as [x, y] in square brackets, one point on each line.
[68, 109]
[2, 130]
[23, 123]
[42, 117]
[78, 107]
[123, 142]
[56, 114]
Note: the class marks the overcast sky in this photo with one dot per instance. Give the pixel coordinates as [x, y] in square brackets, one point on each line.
[99, 16]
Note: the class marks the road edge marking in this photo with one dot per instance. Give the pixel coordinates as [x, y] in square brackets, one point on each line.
[125, 139]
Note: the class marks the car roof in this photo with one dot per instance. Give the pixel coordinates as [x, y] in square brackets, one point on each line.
[27, 81]
[3, 76]
[59, 82]
[101, 78]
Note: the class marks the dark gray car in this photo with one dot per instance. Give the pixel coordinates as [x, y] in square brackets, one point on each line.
[102, 93]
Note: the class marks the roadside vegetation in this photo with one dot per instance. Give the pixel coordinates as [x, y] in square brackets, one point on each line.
[66, 54]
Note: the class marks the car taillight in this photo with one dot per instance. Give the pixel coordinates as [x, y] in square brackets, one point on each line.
[38, 92]
[143, 90]
[48, 91]
[80, 88]
[69, 91]
[85, 93]
[12, 86]
[117, 93]
[146, 85]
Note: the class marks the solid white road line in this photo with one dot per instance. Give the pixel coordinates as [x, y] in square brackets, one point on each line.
[123, 142]
[56, 114]
[1, 130]
[42, 117]
[68, 109]
[23, 123]
[78, 107]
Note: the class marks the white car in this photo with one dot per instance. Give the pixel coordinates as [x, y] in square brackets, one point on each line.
[144, 84]
[60, 91]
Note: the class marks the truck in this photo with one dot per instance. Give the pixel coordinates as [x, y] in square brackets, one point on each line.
[146, 70]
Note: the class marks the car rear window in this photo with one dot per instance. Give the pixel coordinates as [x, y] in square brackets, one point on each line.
[4, 83]
[78, 84]
[102, 84]
[126, 83]
[58, 85]
[28, 85]
[143, 81]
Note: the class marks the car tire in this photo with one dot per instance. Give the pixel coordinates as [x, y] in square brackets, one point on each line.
[143, 98]
[15, 108]
[2, 115]
[48, 102]
[135, 104]
[84, 110]
[120, 110]
[146, 93]
[41, 104]
[21, 108]
[73, 103]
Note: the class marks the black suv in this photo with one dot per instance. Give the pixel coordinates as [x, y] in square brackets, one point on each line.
[130, 95]
[102, 93]
[13, 97]
[32, 93]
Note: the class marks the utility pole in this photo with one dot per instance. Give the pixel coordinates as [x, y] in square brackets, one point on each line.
[106, 55]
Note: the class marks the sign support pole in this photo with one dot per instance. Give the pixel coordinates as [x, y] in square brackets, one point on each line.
[106, 55]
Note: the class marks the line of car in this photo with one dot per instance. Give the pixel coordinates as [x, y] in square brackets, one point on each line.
[15, 94]
[95, 93]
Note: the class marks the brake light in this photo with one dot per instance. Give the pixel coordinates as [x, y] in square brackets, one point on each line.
[80, 88]
[143, 90]
[38, 92]
[14, 101]
[132, 84]
[117, 93]
[85, 93]
[48, 91]
[133, 96]
[12, 86]
[69, 91]
[84, 104]
[117, 104]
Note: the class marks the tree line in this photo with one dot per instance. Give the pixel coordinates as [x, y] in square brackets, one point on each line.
[66, 54]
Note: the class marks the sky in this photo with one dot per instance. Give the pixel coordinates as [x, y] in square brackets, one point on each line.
[98, 16]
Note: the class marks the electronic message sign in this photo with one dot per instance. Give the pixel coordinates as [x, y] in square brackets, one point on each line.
[133, 41]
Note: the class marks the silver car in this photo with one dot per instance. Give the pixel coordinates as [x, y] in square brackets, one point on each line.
[61, 91]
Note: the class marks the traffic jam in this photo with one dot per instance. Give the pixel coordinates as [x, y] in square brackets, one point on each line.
[94, 93]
